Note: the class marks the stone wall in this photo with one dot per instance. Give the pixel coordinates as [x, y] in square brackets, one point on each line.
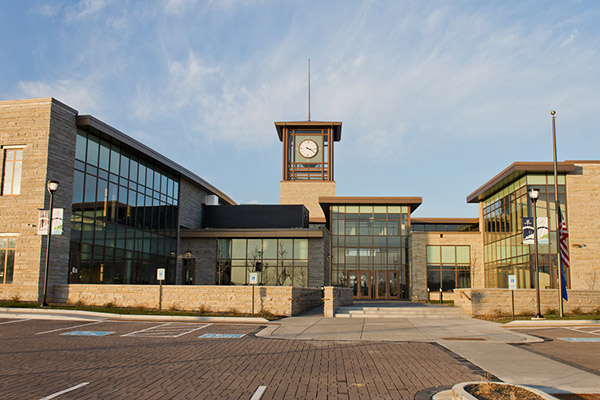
[583, 218]
[204, 250]
[335, 297]
[191, 203]
[278, 300]
[418, 243]
[318, 262]
[499, 301]
[306, 193]
[46, 130]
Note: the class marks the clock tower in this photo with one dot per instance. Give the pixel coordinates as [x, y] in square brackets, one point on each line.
[308, 163]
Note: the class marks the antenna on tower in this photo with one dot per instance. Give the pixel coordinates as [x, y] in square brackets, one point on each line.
[309, 89]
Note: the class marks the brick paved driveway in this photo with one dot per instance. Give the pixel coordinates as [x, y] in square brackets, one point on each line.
[172, 361]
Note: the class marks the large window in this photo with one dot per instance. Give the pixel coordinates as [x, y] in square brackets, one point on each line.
[7, 259]
[124, 218]
[279, 262]
[372, 239]
[448, 267]
[12, 168]
[504, 251]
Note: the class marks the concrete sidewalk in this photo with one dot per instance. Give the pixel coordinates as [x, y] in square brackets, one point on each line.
[313, 326]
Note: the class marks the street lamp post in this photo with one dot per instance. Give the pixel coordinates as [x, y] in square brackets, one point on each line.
[534, 194]
[52, 187]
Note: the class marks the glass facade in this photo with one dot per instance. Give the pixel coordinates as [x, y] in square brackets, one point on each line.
[124, 215]
[450, 227]
[448, 268]
[505, 253]
[369, 249]
[279, 262]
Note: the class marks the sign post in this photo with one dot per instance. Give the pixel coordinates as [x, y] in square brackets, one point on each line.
[253, 282]
[512, 285]
[160, 277]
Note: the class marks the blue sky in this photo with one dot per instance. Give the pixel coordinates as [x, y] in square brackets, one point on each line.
[436, 97]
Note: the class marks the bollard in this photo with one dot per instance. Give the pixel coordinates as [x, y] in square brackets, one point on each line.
[441, 297]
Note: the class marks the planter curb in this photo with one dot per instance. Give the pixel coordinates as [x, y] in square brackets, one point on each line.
[459, 392]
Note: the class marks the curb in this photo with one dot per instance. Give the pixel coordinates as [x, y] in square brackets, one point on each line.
[459, 392]
[77, 315]
[553, 322]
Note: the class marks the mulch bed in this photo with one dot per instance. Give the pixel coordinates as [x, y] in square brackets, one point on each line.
[495, 391]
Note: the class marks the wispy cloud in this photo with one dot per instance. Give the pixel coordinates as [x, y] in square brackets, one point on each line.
[85, 8]
[73, 93]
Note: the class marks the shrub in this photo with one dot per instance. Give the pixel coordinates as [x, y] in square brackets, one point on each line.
[576, 311]
[203, 309]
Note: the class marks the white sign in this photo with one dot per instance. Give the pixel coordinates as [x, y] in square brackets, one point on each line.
[160, 274]
[542, 230]
[512, 282]
[253, 278]
[57, 221]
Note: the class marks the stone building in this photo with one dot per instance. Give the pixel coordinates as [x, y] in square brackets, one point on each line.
[128, 210]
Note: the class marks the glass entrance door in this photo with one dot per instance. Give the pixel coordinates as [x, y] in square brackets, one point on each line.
[388, 285]
[360, 283]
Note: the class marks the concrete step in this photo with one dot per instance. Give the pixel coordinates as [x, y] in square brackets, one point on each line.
[400, 312]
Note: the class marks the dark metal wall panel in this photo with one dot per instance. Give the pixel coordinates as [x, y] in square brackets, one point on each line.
[252, 216]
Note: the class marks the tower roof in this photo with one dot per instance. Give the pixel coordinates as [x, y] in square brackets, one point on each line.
[336, 126]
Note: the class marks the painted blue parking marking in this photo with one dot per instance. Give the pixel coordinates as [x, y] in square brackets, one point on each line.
[88, 333]
[581, 339]
[222, 335]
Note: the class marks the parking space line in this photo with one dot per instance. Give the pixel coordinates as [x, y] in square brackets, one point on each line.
[193, 330]
[65, 391]
[69, 327]
[259, 392]
[169, 329]
[12, 322]
[144, 330]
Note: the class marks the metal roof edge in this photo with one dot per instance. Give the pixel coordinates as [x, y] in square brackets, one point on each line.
[519, 166]
[88, 120]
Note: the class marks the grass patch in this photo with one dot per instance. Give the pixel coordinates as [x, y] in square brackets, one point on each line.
[504, 319]
[111, 308]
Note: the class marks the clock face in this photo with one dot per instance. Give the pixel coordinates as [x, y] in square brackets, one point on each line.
[308, 148]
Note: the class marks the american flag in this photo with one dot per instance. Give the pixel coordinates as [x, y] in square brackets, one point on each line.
[564, 253]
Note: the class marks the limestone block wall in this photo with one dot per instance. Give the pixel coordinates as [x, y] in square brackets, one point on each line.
[318, 262]
[191, 203]
[306, 193]
[499, 301]
[418, 242]
[335, 297]
[278, 300]
[45, 128]
[204, 250]
[583, 216]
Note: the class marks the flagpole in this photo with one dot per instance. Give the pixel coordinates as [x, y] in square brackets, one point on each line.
[557, 207]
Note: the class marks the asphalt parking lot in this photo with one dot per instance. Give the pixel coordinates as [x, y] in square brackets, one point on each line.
[578, 346]
[44, 359]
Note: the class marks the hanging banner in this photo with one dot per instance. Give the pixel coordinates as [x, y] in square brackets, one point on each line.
[57, 221]
[528, 231]
[542, 230]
